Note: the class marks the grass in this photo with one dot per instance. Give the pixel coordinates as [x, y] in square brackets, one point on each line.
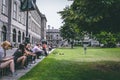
[73, 64]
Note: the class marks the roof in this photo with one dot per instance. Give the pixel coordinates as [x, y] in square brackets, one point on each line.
[53, 30]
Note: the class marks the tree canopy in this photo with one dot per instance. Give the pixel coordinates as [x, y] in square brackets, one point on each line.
[97, 15]
[92, 16]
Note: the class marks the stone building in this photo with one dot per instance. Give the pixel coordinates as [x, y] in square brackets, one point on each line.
[43, 29]
[13, 23]
[53, 36]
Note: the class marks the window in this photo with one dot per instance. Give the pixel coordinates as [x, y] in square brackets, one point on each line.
[23, 36]
[19, 36]
[19, 17]
[24, 18]
[14, 35]
[15, 10]
[4, 7]
[4, 33]
[32, 40]
[29, 37]
[57, 35]
[51, 37]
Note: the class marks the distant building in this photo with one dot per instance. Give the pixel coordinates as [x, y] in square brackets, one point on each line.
[43, 28]
[53, 36]
[13, 23]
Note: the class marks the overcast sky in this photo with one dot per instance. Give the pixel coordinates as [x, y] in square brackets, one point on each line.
[50, 9]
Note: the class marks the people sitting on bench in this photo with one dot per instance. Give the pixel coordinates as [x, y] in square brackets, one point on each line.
[20, 57]
[6, 61]
[30, 55]
[37, 50]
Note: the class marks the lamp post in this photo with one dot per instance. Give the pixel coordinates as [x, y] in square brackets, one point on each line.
[27, 40]
[27, 5]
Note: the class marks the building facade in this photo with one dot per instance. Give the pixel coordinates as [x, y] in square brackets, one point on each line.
[13, 23]
[43, 29]
[53, 37]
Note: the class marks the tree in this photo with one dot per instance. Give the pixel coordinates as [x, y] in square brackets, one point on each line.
[107, 38]
[97, 15]
[69, 29]
[94, 16]
[68, 32]
[117, 36]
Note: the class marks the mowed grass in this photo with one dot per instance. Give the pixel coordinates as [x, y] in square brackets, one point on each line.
[73, 64]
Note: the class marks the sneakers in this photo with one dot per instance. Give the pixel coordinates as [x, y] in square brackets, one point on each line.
[22, 67]
[33, 62]
[14, 74]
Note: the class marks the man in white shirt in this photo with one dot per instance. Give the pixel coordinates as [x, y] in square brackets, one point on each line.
[37, 50]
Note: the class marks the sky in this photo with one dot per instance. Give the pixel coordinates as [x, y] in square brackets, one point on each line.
[50, 9]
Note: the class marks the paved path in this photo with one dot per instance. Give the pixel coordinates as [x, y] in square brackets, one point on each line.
[21, 72]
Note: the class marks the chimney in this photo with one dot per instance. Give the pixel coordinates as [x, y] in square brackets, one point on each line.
[52, 27]
[48, 26]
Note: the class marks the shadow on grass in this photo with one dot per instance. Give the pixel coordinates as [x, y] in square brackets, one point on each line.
[52, 69]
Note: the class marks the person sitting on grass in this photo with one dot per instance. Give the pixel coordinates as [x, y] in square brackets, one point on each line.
[20, 57]
[6, 61]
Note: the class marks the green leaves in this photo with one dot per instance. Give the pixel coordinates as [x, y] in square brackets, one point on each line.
[92, 16]
[107, 38]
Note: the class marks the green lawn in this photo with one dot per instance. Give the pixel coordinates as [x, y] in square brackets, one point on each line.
[73, 64]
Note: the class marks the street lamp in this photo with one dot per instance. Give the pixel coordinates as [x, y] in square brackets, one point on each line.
[27, 14]
[27, 5]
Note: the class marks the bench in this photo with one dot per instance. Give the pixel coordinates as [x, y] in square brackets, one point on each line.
[5, 71]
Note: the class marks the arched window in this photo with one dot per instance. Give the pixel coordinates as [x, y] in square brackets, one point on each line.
[4, 33]
[57, 36]
[23, 36]
[19, 36]
[14, 35]
[32, 40]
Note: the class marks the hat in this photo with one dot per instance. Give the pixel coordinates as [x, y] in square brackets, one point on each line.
[6, 43]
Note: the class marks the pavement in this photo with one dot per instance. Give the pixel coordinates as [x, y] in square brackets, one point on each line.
[21, 72]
